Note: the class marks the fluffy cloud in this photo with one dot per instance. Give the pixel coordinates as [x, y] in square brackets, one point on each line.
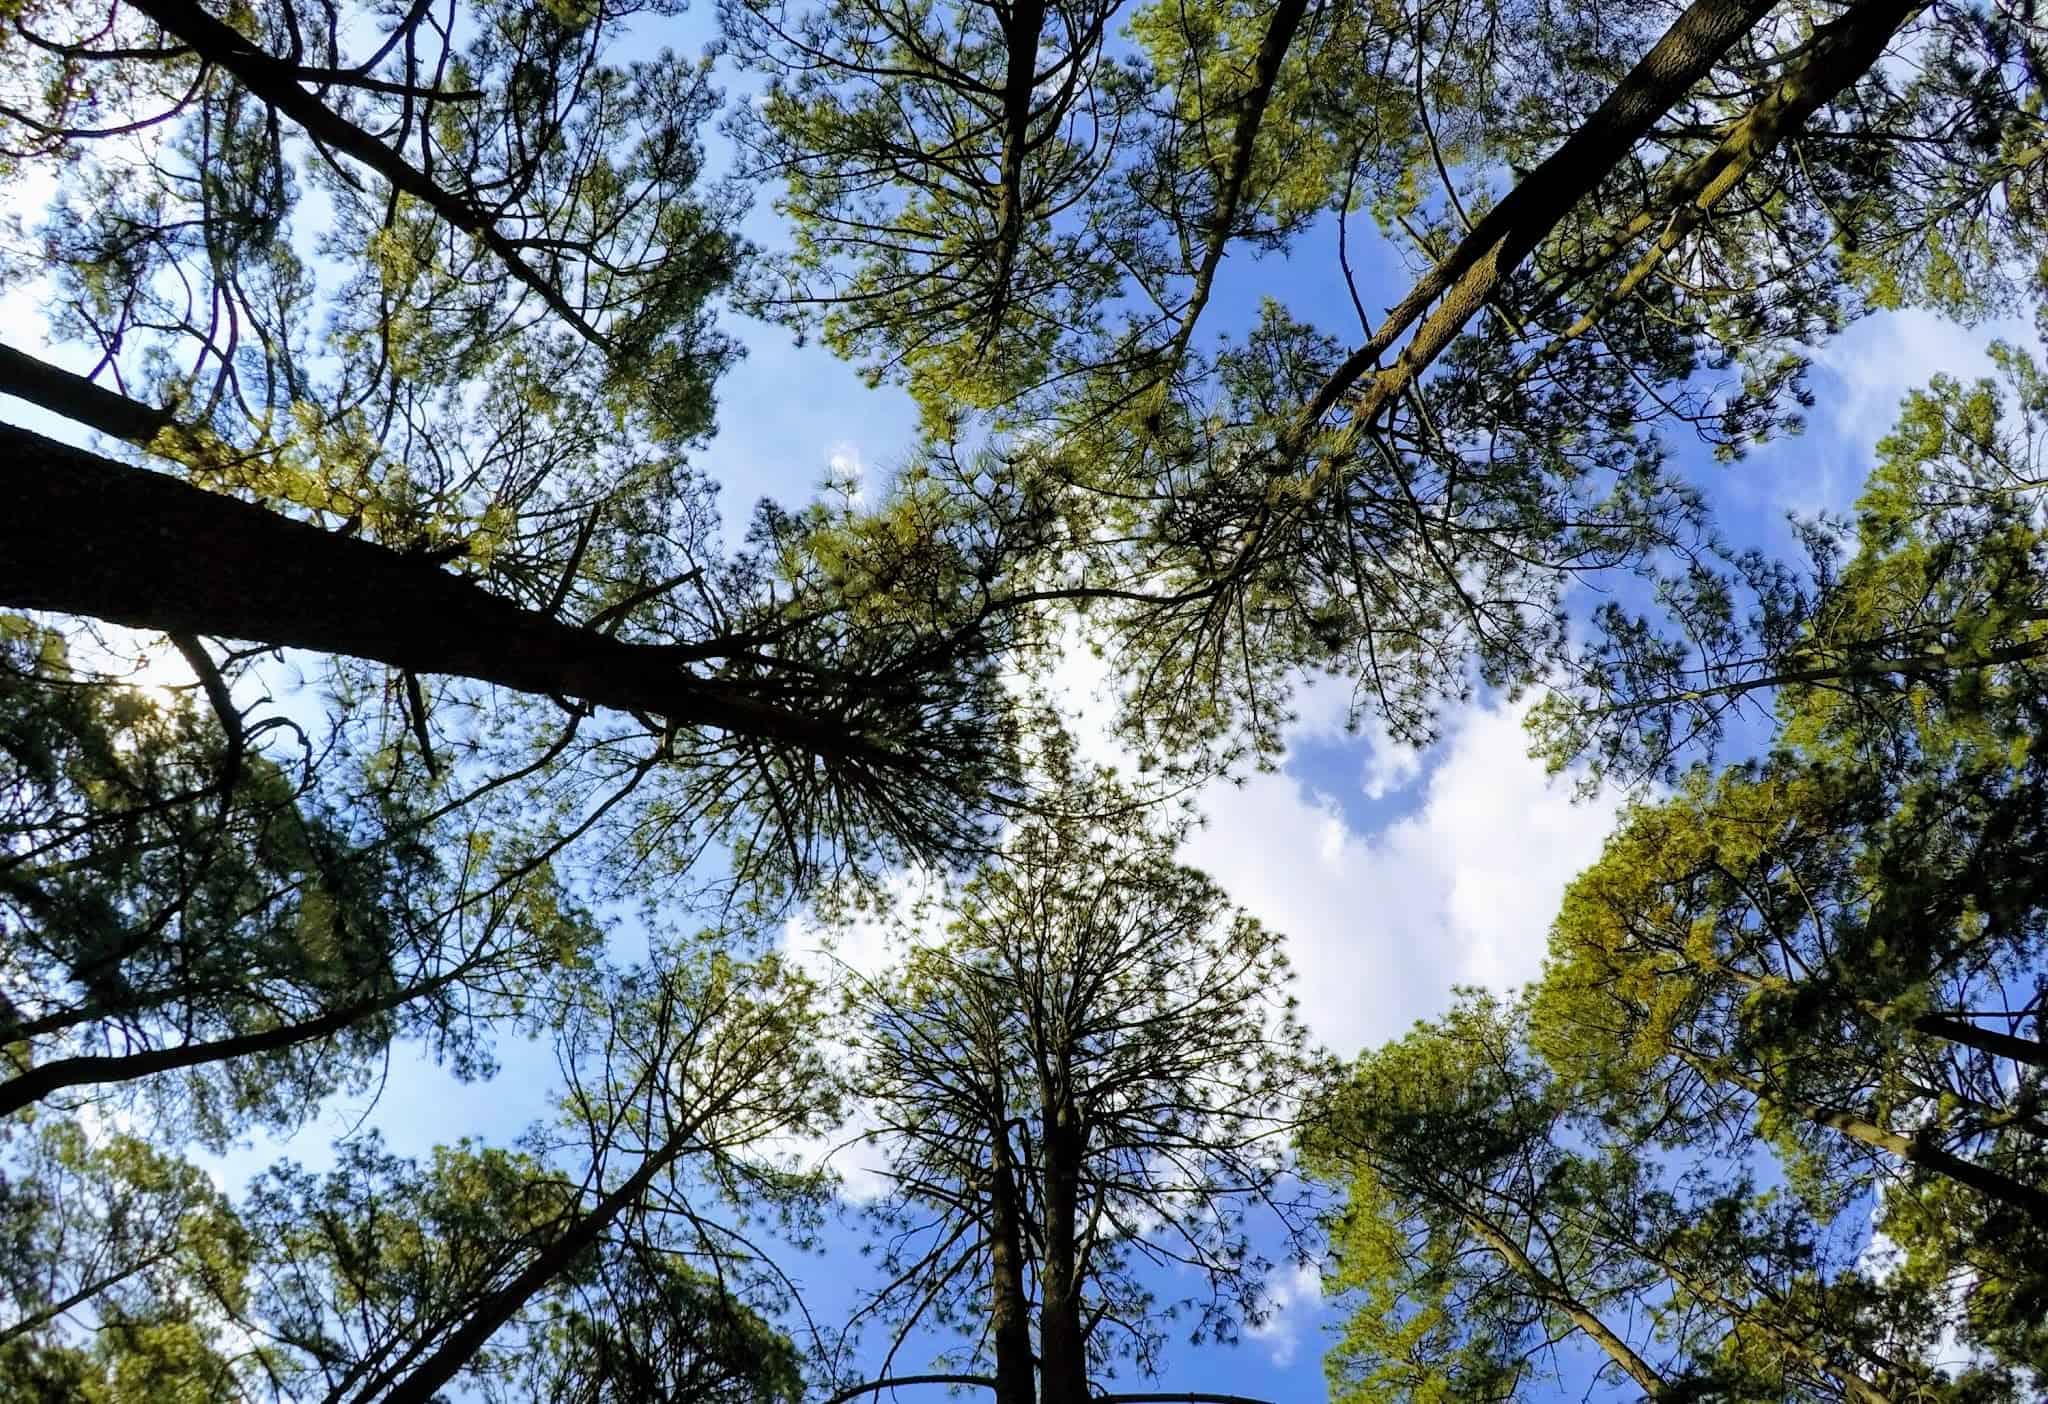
[1294, 1304]
[1862, 375]
[1461, 889]
[862, 948]
[1880, 358]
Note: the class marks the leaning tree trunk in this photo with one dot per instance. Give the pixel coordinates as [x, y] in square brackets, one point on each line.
[81, 534]
[1460, 284]
[1914, 1150]
[425, 1383]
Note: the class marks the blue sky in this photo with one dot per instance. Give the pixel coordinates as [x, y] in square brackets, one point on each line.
[1394, 874]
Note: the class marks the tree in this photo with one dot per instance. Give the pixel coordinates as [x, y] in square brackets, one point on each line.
[697, 1067]
[936, 155]
[1841, 942]
[1447, 1146]
[607, 1258]
[431, 425]
[530, 218]
[113, 1230]
[650, 1328]
[585, 1265]
[1786, 948]
[1400, 505]
[430, 429]
[184, 913]
[509, 182]
[1494, 1214]
[1937, 607]
[858, 683]
[1090, 1069]
[359, 1271]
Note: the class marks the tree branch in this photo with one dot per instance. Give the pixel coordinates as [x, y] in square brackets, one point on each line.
[275, 83]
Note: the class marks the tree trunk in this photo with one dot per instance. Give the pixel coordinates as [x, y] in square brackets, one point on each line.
[84, 535]
[1654, 1385]
[78, 1298]
[1990, 1183]
[76, 398]
[1992, 1041]
[1839, 53]
[1009, 1311]
[424, 1383]
[1020, 39]
[1856, 1386]
[1273, 47]
[42, 1079]
[1062, 1346]
[45, 1079]
[1462, 282]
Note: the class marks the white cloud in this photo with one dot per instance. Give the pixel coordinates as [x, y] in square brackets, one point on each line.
[848, 472]
[1873, 365]
[860, 1164]
[1882, 357]
[1390, 766]
[869, 942]
[1294, 1299]
[861, 948]
[1461, 890]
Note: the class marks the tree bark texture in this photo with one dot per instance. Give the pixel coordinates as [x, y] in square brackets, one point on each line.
[84, 535]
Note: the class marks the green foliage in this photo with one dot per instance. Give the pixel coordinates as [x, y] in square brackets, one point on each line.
[932, 158]
[176, 900]
[1235, 521]
[444, 280]
[1085, 1045]
[111, 1229]
[563, 1270]
[173, 174]
[649, 1328]
[1838, 949]
[1503, 1227]
[1928, 636]
[1454, 1246]
[1823, 967]
[361, 1267]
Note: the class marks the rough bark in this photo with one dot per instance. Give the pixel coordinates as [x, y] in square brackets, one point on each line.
[1839, 53]
[81, 534]
[1062, 1344]
[1009, 1308]
[1462, 282]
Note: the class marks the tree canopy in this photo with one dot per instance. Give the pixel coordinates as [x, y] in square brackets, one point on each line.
[1089, 1071]
[1770, 1123]
[376, 355]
